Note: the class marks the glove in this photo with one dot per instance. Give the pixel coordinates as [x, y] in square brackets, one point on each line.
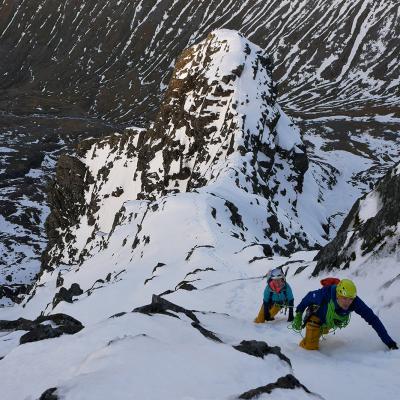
[393, 346]
[267, 315]
[297, 322]
[290, 304]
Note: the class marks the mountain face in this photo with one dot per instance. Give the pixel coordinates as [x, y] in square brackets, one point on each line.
[112, 60]
[71, 72]
[220, 131]
[370, 230]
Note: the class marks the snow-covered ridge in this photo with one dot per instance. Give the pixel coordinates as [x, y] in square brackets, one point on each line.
[220, 129]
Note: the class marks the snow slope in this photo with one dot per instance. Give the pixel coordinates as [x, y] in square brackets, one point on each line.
[199, 265]
[147, 356]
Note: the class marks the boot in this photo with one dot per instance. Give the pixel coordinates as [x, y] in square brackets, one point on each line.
[313, 333]
[274, 310]
[261, 316]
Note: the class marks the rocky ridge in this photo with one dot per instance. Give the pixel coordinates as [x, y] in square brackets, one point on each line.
[219, 123]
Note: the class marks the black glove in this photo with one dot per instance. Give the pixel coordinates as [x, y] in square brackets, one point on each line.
[267, 316]
[393, 346]
[291, 306]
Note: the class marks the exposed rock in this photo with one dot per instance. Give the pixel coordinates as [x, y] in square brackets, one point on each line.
[38, 330]
[65, 322]
[15, 292]
[60, 280]
[206, 333]
[300, 269]
[185, 285]
[190, 253]
[236, 218]
[161, 306]
[199, 270]
[17, 325]
[260, 349]
[41, 331]
[67, 294]
[117, 315]
[66, 199]
[159, 265]
[49, 394]
[284, 382]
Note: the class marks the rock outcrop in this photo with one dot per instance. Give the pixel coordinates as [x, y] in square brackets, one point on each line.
[285, 382]
[370, 229]
[43, 327]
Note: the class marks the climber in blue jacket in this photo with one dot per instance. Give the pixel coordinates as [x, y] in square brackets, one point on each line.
[277, 295]
[329, 308]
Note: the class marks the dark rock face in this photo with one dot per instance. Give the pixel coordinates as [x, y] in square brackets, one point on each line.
[67, 189]
[206, 333]
[67, 294]
[184, 285]
[260, 349]
[376, 233]
[15, 293]
[284, 382]
[49, 394]
[17, 325]
[38, 330]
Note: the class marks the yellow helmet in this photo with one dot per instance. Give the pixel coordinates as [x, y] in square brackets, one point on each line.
[346, 288]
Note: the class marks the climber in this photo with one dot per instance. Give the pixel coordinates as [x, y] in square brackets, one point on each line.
[277, 295]
[329, 308]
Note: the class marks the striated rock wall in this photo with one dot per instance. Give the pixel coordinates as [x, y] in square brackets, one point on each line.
[113, 59]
